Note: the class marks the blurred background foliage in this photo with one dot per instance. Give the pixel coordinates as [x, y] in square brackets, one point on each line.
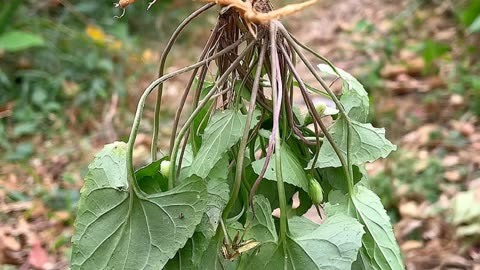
[67, 65]
[59, 57]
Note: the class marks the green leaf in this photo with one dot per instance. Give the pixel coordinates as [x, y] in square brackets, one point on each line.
[223, 131]
[380, 249]
[475, 26]
[200, 122]
[149, 178]
[469, 13]
[337, 179]
[432, 50]
[363, 261]
[379, 240]
[292, 169]
[189, 257]
[186, 164]
[213, 259]
[116, 228]
[268, 188]
[14, 41]
[354, 97]
[367, 144]
[332, 245]
[261, 227]
[338, 203]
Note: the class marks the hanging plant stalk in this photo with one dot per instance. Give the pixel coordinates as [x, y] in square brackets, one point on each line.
[244, 150]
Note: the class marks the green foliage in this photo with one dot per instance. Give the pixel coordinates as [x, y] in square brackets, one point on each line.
[369, 143]
[379, 249]
[64, 57]
[423, 183]
[432, 51]
[120, 227]
[17, 41]
[379, 240]
[220, 135]
[354, 97]
[470, 16]
[215, 211]
[190, 256]
[292, 169]
[306, 239]
[151, 178]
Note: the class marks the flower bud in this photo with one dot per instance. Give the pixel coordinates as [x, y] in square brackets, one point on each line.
[165, 168]
[320, 108]
[315, 191]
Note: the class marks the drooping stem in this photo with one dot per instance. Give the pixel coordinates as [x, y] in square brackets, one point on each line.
[163, 59]
[346, 164]
[186, 126]
[178, 113]
[244, 140]
[318, 120]
[310, 67]
[277, 104]
[310, 50]
[150, 88]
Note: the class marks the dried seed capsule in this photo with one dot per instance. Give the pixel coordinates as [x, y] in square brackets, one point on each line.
[165, 168]
[315, 191]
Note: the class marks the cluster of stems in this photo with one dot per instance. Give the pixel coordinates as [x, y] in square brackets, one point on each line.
[264, 63]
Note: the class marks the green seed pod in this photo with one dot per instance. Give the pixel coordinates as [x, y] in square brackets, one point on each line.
[315, 191]
[165, 168]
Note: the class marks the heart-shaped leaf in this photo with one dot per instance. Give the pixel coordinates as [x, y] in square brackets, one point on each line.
[332, 245]
[367, 144]
[189, 257]
[117, 228]
[379, 241]
[380, 249]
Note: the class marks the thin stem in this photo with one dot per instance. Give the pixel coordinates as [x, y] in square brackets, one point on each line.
[319, 56]
[187, 90]
[319, 212]
[186, 126]
[243, 143]
[163, 58]
[277, 104]
[318, 119]
[347, 165]
[312, 69]
[225, 232]
[150, 88]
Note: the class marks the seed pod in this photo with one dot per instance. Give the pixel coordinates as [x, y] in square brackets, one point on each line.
[315, 191]
[165, 168]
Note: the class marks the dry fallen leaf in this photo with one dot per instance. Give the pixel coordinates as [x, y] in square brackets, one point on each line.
[450, 160]
[453, 176]
[410, 245]
[38, 257]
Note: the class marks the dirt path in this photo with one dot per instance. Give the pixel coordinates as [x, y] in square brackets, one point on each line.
[329, 26]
